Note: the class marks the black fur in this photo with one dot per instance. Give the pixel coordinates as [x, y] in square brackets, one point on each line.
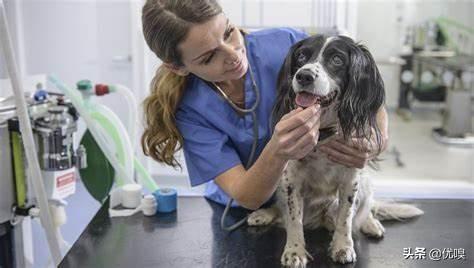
[285, 95]
[363, 95]
[362, 89]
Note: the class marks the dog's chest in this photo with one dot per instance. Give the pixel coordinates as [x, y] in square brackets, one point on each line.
[317, 174]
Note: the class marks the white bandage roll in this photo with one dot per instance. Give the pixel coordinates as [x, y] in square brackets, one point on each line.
[131, 195]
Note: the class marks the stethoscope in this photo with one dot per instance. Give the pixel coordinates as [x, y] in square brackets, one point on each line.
[252, 111]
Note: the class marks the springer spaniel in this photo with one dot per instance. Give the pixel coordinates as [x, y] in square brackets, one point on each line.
[342, 76]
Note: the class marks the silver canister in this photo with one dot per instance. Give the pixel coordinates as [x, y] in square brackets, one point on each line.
[55, 139]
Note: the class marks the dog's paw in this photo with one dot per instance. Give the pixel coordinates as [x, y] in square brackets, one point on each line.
[343, 255]
[295, 257]
[261, 217]
[372, 228]
[341, 250]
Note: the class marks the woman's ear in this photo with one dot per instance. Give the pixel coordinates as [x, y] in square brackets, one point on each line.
[181, 71]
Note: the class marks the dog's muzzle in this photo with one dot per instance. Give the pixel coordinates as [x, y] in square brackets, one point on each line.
[305, 77]
[312, 87]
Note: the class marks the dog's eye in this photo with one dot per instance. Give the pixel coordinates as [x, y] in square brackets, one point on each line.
[336, 60]
[301, 59]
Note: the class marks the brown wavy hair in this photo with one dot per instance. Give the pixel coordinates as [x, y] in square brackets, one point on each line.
[165, 24]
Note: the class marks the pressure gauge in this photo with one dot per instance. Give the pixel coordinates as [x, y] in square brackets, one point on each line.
[407, 76]
[448, 78]
[427, 77]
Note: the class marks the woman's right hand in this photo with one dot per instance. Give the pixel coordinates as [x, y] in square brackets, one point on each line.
[296, 133]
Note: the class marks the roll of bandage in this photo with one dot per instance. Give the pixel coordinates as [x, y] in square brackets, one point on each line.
[167, 199]
[131, 195]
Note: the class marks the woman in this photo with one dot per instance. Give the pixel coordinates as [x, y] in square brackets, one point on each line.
[208, 67]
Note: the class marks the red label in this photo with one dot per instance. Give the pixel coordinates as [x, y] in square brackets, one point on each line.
[65, 180]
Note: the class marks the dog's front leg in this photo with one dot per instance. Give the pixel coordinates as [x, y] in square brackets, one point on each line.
[342, 245]
[291, 202]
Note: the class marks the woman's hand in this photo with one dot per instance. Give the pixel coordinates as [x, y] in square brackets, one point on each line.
[296, 133]
[357, 152]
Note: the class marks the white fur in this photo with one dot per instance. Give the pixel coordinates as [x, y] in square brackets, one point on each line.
[315, 192]
[322, 84]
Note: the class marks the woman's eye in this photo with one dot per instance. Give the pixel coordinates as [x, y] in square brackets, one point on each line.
[228, 32]
[301, 59]
[208, 59]
[336, 60]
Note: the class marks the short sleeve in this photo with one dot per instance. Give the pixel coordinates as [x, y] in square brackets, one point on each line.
[207, 151]
[296, 35]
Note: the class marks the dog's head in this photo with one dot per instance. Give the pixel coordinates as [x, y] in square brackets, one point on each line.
[323, 69]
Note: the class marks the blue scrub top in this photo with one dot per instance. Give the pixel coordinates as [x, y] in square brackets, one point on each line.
[216, 138]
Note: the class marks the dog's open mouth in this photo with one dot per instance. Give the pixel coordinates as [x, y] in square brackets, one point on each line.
[305, 99]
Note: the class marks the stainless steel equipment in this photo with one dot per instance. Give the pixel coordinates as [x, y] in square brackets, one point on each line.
[54, 123]
[54, 139]
[456, 73]
[53, 120]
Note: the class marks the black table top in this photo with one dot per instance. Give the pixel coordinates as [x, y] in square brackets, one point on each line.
[191, 237]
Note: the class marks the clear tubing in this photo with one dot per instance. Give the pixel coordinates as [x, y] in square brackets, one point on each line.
[114, 128]
[59, 216]
[76, 99]
[144, 177]
[95, 128]
[103, 117]
[132, 110]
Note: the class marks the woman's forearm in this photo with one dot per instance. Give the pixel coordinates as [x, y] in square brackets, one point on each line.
[294, 136]
[258, 183]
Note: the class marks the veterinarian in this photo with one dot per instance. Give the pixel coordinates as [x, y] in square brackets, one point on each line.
[215, 88]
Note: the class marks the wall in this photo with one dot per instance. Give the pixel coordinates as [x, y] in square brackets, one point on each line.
[12, 12]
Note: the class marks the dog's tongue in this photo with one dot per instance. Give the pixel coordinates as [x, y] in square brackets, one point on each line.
[305, 99]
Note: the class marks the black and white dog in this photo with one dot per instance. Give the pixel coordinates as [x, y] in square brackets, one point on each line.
[342, 76]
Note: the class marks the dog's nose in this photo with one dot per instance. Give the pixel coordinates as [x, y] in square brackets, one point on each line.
[305, 77]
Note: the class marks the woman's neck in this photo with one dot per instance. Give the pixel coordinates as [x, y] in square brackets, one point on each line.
[230, 86]
[234, 90]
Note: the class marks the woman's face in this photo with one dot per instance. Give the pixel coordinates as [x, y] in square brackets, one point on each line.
[214, 51]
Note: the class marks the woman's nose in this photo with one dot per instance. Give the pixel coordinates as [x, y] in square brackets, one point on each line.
[232, 55]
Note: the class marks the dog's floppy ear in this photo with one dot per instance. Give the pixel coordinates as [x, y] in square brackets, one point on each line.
[285, 94]
[363, 96]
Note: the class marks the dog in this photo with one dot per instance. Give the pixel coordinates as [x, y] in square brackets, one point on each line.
[340, 75]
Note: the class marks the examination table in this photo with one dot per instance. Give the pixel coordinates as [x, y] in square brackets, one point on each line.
[192, 237]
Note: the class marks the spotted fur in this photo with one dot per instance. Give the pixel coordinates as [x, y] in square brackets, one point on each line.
[316, 192]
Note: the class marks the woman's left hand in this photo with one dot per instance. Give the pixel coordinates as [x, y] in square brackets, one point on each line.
[355, 153]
